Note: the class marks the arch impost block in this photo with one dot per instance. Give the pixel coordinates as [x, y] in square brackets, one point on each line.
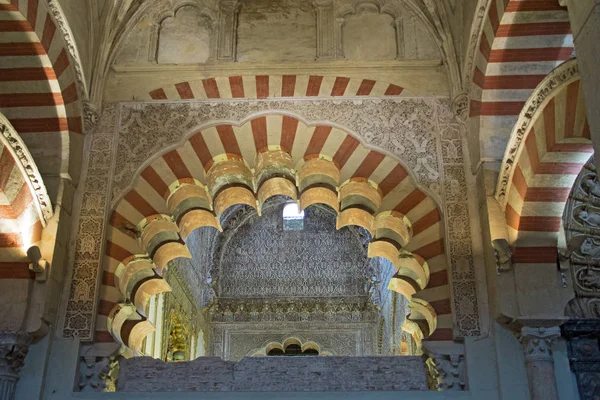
[414, 330]
[360, 193]
[196, 219]
[394, 226]
[319, 195]
[157, 232]
[188, 196]
[317, 171]
[403, 286]
[138, 333]
[384, 249]
[423, 314]
[229, 172]
[232, 196]
[126, 270]
[168, 252]
[355, 216]
[117, 317]
[276, 187]
[148, 289]
[273, 163]
[414, 267]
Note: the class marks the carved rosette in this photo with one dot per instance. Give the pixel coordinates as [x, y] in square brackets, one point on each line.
[537, 343]
[13, 350]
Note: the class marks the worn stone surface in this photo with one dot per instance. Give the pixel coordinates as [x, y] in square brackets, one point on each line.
[274, 374]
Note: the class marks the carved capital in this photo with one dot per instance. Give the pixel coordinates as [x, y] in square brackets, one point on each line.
[446, 371]
[98, 374]
[13, 349]
[537, 343]
[90, 116]
[460, 106]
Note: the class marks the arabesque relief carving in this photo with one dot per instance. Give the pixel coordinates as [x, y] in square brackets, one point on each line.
[411, 129]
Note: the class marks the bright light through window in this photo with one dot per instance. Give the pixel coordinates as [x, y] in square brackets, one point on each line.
[293, 217]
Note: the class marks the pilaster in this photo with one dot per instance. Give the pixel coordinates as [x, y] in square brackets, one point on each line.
[326, 44]
[227, 29]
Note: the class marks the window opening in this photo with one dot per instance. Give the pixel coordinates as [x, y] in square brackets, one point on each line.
[293, 217]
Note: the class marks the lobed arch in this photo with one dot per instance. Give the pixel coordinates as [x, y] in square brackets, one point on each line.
[304, 345]
[549, 146]
[518, 43]
[47, 85]
[277, 154]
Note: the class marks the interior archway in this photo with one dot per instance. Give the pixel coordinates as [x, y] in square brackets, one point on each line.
[310, 164]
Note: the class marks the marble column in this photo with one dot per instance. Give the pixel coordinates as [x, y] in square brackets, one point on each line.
[584, 16]
[537, 345]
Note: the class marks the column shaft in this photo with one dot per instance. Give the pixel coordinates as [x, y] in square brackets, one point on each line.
[537, 345]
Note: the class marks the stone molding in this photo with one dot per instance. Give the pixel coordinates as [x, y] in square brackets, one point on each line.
[550, 86]
[537, 343]
[13, 142]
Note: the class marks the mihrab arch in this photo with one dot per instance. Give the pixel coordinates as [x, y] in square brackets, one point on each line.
[222, 165]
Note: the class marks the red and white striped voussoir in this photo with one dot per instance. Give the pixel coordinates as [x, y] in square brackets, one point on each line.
[147, 197]
[20, 225]
[522, 41]
[38, 92]
[555, 149]
[275, 86]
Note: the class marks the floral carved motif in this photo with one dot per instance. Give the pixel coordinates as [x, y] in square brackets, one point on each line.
[423, 133]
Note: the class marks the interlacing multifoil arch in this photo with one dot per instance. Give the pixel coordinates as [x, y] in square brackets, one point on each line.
[549, 146]
[219, 166]
[521, 42]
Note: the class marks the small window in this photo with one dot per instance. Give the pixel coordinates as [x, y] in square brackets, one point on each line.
[293, 217]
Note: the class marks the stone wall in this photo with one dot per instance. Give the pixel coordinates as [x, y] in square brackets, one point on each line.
[273, 374]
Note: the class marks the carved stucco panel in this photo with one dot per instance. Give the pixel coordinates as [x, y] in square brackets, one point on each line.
[423, 133]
